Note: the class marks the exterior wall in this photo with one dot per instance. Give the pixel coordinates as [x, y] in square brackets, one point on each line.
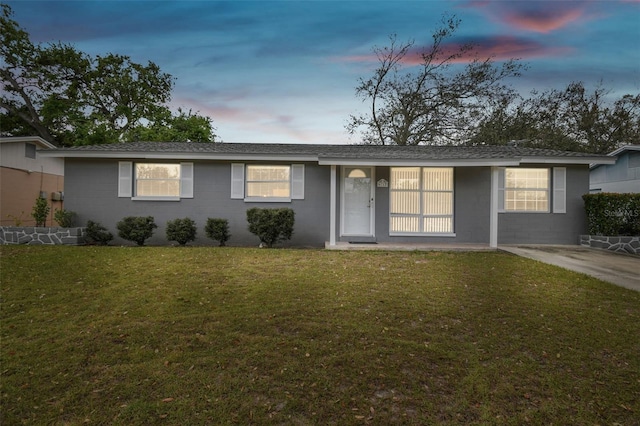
[22, 179]
[472, 198]
[12, 154]
[550, 228]
[624, 176]
[92, 185]
[18, 192]
[471, 206]
[91, 192]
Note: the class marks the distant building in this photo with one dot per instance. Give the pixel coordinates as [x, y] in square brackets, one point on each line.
[623, 176]
[25, 176]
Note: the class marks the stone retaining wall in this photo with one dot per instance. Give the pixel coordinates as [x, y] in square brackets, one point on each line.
[630, 245]
[36, 235]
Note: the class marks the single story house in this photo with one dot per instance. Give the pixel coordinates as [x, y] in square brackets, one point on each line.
[486, 195]
[25, 175]
[621, 177]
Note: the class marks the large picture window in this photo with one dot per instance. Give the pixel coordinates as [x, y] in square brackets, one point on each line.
[526, 190]
[421, 200]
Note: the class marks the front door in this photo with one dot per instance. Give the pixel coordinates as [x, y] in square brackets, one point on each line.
[357, 201]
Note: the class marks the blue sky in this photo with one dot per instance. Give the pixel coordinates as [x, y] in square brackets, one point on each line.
[286, 71]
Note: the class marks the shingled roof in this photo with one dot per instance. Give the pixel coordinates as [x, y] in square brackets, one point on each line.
[325, 154]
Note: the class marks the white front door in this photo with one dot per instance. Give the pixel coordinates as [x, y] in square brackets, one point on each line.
[357, 201]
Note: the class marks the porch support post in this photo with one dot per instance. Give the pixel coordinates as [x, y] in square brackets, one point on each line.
[332, 207]
[493, 209]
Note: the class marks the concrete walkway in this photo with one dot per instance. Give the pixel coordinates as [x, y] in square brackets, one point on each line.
[615, 268]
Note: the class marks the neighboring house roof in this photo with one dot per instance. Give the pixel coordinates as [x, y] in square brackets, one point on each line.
[617, 153]
[32, 139]
[333, 154]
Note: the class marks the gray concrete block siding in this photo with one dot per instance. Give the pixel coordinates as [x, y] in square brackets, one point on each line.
[471, 206]
[550, 228]
[91, 187]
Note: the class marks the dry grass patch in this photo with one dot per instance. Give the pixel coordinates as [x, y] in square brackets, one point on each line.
[150, 335]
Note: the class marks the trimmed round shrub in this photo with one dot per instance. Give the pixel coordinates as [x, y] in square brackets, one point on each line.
[97, 234]
[271, 225]
[218, 230]
[181, 230]
[136, 228]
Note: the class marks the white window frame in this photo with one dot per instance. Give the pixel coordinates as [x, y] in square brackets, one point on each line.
[556, 190]
[422, 215]
[127, 181]
[239, 182]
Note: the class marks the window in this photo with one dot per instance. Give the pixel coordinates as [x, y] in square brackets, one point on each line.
[275, 183]
[421, 200]
[532, 190]
[29, 150]
[155, 181]
[526, 190]
[268, 181]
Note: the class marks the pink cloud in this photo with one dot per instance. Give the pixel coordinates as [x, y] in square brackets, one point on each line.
[542, 21]
[497, 48]
[537, 16]
[504, 48]
[473, 4]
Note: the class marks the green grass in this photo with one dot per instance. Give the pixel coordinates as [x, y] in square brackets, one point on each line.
[188, 336]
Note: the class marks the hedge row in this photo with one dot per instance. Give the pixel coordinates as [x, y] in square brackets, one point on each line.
[613, 214]
[269, 225]
[139, 229]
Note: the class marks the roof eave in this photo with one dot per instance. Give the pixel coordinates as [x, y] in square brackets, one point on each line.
[179, 156]
[419, 162]
[35, 139]
[623, 149]
[569, 160]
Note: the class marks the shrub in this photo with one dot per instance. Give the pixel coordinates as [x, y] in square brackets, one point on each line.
[40, 211]
[181, 230]
[136, 228]
[17, 220]
[613, 214]
[64, 218]
[97, 234]
[218, 230]
[271, 225]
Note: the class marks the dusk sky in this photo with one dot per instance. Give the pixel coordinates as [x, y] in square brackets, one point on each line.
[286, 71]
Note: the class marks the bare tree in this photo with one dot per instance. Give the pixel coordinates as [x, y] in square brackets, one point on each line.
[437, 101]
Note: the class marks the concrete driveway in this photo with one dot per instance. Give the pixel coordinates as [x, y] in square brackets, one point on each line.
[619, 269]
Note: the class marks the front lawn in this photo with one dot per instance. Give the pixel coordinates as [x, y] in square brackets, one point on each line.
[195, 335]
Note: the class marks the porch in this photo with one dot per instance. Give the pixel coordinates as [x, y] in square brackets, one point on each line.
[342, 245]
